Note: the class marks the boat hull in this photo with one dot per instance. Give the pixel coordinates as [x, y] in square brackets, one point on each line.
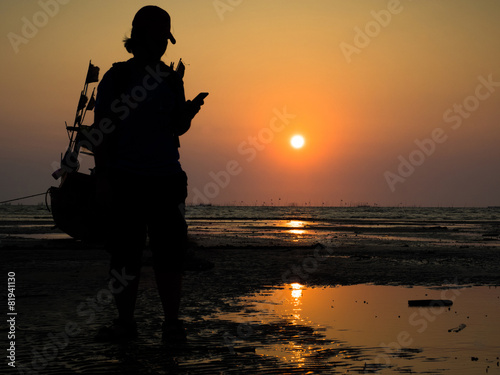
[74, 207]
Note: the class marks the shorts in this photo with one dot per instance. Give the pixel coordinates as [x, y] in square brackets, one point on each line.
[142, 207]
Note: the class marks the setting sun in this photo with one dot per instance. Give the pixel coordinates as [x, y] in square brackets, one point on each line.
[297, 141]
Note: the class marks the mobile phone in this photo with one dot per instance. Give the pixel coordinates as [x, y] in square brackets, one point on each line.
[200, 97]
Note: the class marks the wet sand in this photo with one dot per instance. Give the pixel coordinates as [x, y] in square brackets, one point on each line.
[374, 325]
[62, 299]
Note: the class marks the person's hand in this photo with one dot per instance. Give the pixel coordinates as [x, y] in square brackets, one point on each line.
[192, 108]
[187, 113]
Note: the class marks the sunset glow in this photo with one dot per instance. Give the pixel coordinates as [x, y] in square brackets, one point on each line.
[385, 111]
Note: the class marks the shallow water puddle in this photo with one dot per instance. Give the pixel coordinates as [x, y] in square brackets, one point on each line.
[371, 329]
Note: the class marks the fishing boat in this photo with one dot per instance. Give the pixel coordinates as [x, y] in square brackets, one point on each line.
[74, 203]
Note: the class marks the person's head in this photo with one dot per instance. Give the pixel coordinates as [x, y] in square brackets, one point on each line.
[150, 33]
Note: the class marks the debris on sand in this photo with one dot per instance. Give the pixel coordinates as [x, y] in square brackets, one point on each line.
[458, 329]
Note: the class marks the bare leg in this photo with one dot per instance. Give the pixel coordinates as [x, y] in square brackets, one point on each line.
[126, 297]
[124, 287]
[169, 287]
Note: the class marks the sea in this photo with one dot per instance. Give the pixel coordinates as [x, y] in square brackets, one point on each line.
[271, 226]
[292, 328]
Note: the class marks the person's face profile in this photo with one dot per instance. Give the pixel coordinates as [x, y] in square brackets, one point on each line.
[157, 47]
[155, 42]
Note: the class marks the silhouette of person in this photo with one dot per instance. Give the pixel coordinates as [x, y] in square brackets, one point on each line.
[141, 110]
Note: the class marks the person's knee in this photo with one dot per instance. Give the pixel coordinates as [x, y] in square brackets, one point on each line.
[125, 263]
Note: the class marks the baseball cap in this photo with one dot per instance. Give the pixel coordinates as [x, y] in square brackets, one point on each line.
[149, 21]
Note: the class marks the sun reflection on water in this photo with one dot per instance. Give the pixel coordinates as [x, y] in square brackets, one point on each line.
[296, 350]
[297, 227]
[296, 291]
[350, 325]
[296, 302]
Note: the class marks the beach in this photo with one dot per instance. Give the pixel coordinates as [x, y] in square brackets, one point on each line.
[336, 163]
[292, 292]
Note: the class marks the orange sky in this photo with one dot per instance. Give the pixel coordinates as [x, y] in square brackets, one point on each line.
[365, 82]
